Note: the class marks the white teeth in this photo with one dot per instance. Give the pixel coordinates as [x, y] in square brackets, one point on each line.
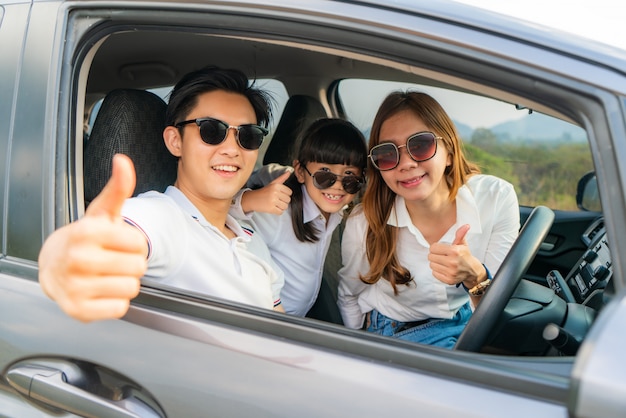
[225, 168]
[333, 196]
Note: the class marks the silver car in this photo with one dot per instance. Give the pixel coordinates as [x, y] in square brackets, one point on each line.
[542, 109]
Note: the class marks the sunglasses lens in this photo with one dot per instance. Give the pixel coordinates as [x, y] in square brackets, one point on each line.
[422, 146]
[324, 179]
[384, 156]
[352, 184]
[213, 131]
[251, 137]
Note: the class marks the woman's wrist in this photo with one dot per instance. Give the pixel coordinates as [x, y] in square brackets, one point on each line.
[471, 286]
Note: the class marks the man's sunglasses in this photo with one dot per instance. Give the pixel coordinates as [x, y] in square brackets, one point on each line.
[421, 146]
[214, 132]
[324, 179]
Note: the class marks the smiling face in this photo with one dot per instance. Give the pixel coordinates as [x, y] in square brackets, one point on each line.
[210, 175]
[333, 198]
[421, 182]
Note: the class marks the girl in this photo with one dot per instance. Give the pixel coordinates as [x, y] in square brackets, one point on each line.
[326, 176]
[428, 232]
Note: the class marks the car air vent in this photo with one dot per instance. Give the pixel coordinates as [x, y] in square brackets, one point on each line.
[592, 232]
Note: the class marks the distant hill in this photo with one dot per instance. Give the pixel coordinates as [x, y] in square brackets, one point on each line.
[532, 127]
[465, 131]
[539, 127]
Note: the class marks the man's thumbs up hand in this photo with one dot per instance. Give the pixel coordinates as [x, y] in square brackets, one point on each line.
[92, 267]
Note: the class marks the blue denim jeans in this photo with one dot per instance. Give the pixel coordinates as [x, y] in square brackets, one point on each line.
[438, 332]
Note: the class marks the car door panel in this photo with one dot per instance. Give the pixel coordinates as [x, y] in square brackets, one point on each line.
[201, 368]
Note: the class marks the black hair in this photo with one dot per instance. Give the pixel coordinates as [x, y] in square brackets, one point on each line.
[184, 95]
[328, 141]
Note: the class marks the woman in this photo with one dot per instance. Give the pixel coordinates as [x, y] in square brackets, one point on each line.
[429, 231]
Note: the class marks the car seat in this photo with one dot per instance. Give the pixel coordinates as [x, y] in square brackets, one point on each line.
[299, 112]
[130, 122]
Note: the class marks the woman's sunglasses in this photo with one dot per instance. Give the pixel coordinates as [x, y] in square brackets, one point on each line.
[421, 146]
[214, 132]
[324, 179]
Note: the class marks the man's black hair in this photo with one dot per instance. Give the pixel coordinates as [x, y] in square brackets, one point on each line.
[184, 95]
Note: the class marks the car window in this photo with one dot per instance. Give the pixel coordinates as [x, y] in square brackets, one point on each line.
[542, 156]
[280, 96]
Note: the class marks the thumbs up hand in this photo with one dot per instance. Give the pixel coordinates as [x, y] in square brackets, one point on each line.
[273, 198]
[92, 267]
[454, 263]
[459, 236]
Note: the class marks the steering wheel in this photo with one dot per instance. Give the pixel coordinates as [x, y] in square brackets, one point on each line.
[506, 280]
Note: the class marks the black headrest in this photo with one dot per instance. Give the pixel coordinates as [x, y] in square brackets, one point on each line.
[300, 111]
[129, 122]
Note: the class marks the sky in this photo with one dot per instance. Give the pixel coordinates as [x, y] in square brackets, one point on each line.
[601, 20]
[475, 112]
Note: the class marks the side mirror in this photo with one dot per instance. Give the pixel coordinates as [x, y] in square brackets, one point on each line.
[587, 196]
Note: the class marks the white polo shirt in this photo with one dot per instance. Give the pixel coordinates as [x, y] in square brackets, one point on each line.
[487, 203]
[188, 252]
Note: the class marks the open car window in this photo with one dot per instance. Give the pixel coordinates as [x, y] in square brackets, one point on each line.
[528, 140]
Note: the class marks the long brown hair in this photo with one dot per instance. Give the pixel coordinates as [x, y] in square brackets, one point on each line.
[378, 199]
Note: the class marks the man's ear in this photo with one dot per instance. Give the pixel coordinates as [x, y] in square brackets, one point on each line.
[298, 170]
[173, 140]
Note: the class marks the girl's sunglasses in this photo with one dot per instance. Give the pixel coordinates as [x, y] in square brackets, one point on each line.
[214, 132]
[421, 146]
[324, 179]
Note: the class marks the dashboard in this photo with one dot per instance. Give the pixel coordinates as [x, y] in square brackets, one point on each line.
[586, 282]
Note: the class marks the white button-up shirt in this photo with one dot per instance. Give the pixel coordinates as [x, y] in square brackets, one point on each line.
[302, 263]
[187, 252]
[488, 204]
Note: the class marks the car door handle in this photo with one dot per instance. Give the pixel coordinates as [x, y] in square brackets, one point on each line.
[549, 243]
[82, 391]
[546, 246]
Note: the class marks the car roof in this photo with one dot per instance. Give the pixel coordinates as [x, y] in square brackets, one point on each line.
[461, 14]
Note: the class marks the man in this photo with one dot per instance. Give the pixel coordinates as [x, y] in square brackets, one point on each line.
[183, 237]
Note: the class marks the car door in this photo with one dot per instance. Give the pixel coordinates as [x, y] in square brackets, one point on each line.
[180, 354]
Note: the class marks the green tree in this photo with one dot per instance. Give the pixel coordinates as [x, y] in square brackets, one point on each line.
[484, 138]
[542, 173]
